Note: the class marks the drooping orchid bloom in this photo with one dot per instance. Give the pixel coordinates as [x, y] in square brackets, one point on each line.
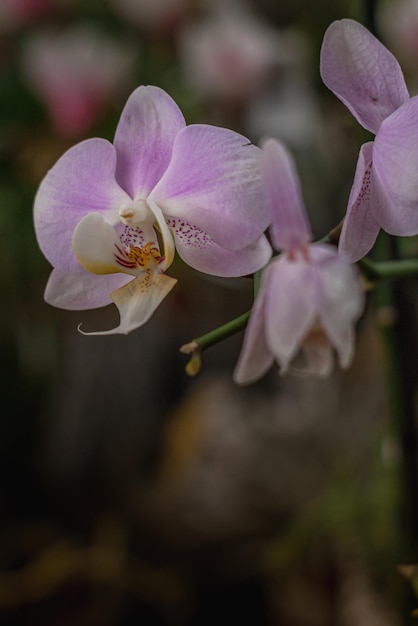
[109, 217]
[367, 78]
[309, 296]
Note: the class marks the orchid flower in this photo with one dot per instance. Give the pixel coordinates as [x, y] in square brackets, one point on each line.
[367, 78]
[229, 55]
[309, 296]
[75, 73]
[106, 214]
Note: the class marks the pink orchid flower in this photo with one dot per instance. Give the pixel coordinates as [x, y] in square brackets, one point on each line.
[229, 55]
[14, 13]
[109, 217]
[309, 296]
[367, 78]
[152, 15]
[76, 73]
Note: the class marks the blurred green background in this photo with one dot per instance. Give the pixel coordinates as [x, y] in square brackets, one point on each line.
[130, 493]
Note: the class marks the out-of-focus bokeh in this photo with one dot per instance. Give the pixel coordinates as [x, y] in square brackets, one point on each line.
[130, 493]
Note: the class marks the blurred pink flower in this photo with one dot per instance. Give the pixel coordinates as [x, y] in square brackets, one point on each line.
[287, 109]
[75, 74]
[13, 13]
[160, 15]
[399, 24]
[228, 55]
[309, 297]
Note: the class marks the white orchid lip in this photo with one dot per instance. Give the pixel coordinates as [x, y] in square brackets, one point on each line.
[144, 215]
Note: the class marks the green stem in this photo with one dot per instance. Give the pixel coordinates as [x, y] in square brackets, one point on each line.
[389, 269]
[196, 346]
[223, 332]
[371, 269]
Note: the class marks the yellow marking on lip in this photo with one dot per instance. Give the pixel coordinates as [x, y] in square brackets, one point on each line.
[143, 256]
[97, 267]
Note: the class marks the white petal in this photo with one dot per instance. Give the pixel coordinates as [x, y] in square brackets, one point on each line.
[342, 300]
[95, 244]
[82, 290]
[291, 307]
[318, 354]
[137, 301]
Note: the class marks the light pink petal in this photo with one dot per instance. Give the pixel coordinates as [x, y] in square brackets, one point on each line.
[144, 139]
[255, 358]
[213, 181]
[198, 250]
[137, 301]
[82, 181]
[395, 167]
[361, 223]
[289, 228]
[82, 290]
[364, 75]
[291, 307]
[342, 299]
[318, 354]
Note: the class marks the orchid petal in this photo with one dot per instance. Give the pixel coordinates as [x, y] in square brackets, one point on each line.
[213, 181]
[82, 181]
[255, 358]
[362, 73]
[342, 300]
[395, 167]
[318, 355]
[361, 225]
[137, 301]
[289, 228]
[97, 246]
[82, 290]
[291, 307]
[144, 139]
[198, 250]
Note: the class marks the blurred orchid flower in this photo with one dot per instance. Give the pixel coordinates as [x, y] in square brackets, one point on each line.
[152, 15]
[398, 20]
[108, 212]
[229, 55]
[367, 78]
[309, 297]
[14, 13]
[75, 74]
